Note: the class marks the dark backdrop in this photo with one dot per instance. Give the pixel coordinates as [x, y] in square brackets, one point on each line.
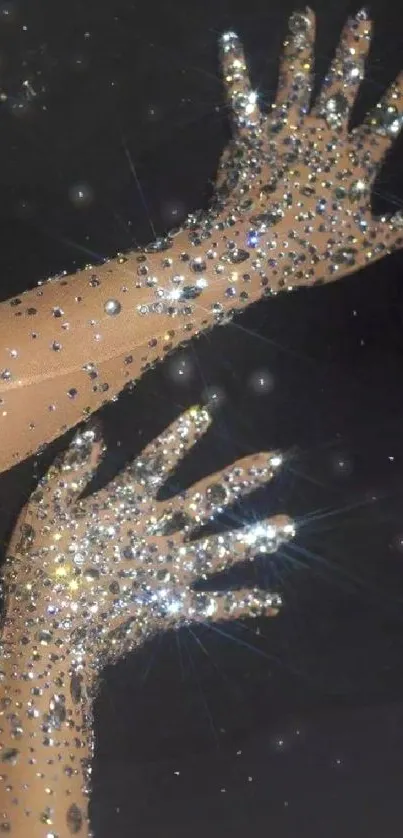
[291, 726]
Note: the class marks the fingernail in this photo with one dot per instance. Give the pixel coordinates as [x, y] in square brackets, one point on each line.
[363, 14]
[300, 22]
[229, 40]
[198, 414]
[82, 445]
[92, 430]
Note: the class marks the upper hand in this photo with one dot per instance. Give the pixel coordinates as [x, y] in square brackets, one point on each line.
[302, 178]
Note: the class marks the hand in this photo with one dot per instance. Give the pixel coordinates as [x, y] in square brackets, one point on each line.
[292, 208]
[303, 178]
[97, 576]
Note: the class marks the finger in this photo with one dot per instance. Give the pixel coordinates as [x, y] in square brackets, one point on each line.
[216, 553]
[240, 96]
[174, 608]
[382, 237]
[384, 123]
[151, 469]
[208, 498]
[296, 66]
[72, 471]
[340, 87]
[230, 605]
[199, 559]
[385, 236]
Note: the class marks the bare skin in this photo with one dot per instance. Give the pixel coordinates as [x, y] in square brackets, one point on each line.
[292, 209]
[88, 581]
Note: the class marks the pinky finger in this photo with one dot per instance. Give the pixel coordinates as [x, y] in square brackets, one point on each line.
[383, 124]
[232, 605]
[217, 553]
[388, 234]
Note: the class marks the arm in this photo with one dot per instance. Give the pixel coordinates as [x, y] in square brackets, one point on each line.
[46, 740]
[292, 209]
[88, 581]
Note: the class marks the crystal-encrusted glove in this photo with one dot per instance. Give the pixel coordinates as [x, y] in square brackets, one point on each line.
[90, 579]
[307, 177]
[101, 574]
[292, 208]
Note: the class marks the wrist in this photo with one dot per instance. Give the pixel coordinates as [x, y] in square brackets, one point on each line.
[46, 740]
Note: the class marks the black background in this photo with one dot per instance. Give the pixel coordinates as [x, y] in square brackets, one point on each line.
[290, 726]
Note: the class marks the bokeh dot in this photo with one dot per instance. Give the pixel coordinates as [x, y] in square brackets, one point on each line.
[261, 382]
[181, 369]
[81, 195]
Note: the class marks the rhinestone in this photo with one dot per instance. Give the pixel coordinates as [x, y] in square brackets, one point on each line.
[216, 493]
[158, 246]
[189, 292]
[268, 219]
[112, 307]
[352, 72]
[9, 755]
[344, 256]
[358, 190]
[148, 469]
[92, 573]
[74, 819]
[57, 711]
[336, 109]
[340, 193]
[237, 256]
[198, 265]
[176, 522]
[269, 187]
[386, 120]
[252, 238]
[44, 637]
[299, 26]
[76, 690]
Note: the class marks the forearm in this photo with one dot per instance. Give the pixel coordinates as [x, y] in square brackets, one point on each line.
[296, 212]
[73, 344]
[46, 743]
[62, 355]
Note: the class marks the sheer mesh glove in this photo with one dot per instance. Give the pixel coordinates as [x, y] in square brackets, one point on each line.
[97, 576]
[307, 178]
